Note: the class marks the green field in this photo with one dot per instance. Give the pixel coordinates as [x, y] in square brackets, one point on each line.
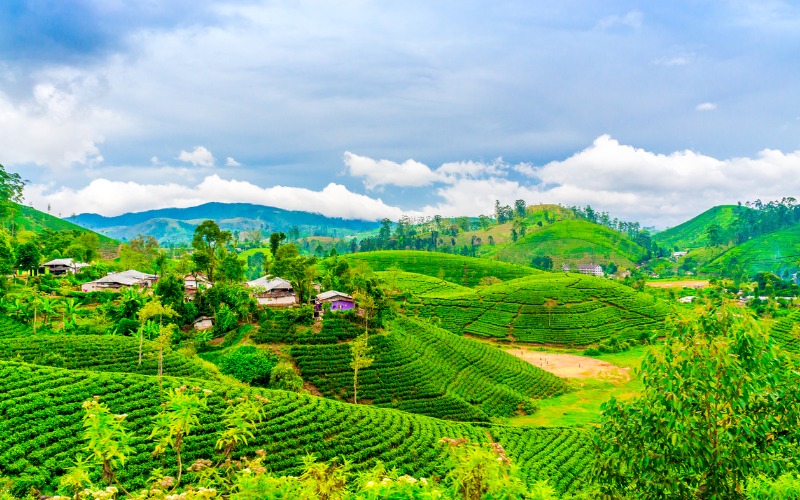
[574, 242]
[550, 308]
[427, 370]
[466, 271]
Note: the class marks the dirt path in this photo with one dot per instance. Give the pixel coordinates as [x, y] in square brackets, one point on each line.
[570, 366]
[678, 284]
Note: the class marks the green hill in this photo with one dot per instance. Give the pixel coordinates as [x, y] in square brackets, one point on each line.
[692, 233]
[549, 308]
[30, 219]
[423, 369]
[573, 242]
[40, 431]
[466, 271]
[777, 252]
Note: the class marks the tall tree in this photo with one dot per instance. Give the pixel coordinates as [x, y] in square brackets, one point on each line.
[11, 185]
[721, 403]
[28, 257]
[209, 240]
[275, 240]
[360, 353]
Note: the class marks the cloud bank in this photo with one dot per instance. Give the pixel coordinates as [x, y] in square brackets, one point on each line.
[630, 183]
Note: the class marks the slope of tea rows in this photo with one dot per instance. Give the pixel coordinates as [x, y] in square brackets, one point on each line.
[105, 353]
[40, 431]
[786, 332]
[466, 271]
[424, 369]
[551, 308]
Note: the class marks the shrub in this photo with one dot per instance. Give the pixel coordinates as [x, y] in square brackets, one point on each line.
[249, 364]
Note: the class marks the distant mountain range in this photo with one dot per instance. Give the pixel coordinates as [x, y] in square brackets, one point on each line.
[176, 225]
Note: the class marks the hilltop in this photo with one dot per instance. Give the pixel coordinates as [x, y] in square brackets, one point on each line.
[176, 225]
[461, 270]
[693, 233]
[549, 308]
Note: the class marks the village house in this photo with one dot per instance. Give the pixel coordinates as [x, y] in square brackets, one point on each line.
[116, 281]
[333, 301]
[63, 266]
[193, 282]
[590, 269]
[203, 323]
[273, 291]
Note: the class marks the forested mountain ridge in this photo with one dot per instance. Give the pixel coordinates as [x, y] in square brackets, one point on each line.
[176, 225]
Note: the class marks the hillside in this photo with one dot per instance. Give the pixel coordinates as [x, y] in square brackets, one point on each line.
[176, 225]
[466, 271]
[786, 332]
[573, 242]
[427, 370]
[40, 431]
[30, 219]
[549, 308]
[777, 252]
[692, 233]
[418, 284]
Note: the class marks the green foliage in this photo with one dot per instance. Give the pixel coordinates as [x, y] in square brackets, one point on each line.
[427, 370]
[774, 252]
[208, 241]
[283, 376]
[786, 487]
[720, 403]
[249, 364]
[359, 358]
[566, 309]
[225, 319]
[466, 271]
[786, 332]
[106, 438]
[693, 233]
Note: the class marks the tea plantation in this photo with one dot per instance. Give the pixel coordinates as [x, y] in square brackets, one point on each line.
[423, 369]
[466, 271]
[40, 431]
[551, 308]
[786, 332]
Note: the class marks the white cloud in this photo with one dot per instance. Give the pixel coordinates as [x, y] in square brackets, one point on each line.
[58, 126]
[706, 106]
[231, 162]
[379, 173]
[114, 197]
[199, 157]
[632, 19]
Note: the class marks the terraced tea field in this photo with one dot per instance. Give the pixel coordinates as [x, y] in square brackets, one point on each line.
[550, 308]
[40, 429]
[784, 334]
[427, 370]
[466, 271]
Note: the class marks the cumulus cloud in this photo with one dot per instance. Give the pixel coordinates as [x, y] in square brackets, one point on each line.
[199, 157]
[230, 162]
[379, 173]
[109, 198]
[706, 106]
[56, 126]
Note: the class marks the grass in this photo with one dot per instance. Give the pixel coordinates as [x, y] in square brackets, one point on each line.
[582, 406]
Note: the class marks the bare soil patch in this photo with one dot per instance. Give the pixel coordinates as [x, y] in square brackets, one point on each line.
[571, 366]
[678, 284]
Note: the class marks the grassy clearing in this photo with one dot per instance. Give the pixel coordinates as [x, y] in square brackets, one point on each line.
[582, 406]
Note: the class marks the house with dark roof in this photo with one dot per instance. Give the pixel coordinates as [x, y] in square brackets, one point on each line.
[116, 281]
[63, 266]
[273, 291]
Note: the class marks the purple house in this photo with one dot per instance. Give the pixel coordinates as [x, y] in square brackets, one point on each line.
[338, 301]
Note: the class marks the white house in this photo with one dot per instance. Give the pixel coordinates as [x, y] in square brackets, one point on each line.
[64, 266]
[275, 291]
[590, 269]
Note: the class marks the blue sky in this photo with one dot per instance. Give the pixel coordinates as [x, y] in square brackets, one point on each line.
[653, 111]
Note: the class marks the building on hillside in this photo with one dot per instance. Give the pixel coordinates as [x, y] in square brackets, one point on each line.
[333, 301]
[63, 266]
[590, 269]
[273, 291]
[193, 282]
[203, 323]
[676, 255]
[686, 300]
[116, 281]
